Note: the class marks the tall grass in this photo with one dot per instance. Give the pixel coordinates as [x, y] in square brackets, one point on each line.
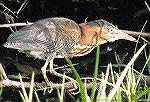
[28, 97]
[121, 90]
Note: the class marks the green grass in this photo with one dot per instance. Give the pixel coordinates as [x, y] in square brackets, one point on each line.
[28, 97]
[95, 72]
[80, 83]
[119, 90]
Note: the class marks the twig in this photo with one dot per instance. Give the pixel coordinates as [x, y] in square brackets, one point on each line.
[68, 85]
[23, 5]
[14, 25]
[6, 8]
[148, 7]
[16, 84]
[65, 66]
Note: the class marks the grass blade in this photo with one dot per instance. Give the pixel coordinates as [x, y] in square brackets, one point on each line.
[95, 72]
[31, 88]
[119, 81]
[81, 86]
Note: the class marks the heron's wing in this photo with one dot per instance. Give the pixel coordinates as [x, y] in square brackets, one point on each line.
[47, 34]
[27, 37]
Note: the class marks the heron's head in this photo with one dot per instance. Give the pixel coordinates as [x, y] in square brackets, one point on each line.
[102, 32]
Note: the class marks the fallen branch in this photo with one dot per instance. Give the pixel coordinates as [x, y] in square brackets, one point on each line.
[14, 25]
[68, 85]
[15, 84]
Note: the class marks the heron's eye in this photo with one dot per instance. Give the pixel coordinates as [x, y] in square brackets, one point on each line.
[111, 30]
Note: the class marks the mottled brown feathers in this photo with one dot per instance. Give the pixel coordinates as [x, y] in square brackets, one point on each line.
[57, 36]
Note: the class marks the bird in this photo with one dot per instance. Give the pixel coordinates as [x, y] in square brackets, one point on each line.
[55, 37]
[46, 39]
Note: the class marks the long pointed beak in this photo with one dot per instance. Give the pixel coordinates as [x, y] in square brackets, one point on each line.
[125, 36]
[130, 38]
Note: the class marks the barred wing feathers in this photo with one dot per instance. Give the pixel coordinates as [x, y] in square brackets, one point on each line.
[46, 37]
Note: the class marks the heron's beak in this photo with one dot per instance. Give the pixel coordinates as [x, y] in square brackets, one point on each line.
[117, 34]
[125, 36]
[130, 38]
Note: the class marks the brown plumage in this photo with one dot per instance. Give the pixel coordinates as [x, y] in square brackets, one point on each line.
[53, 37]
[47, 37]
[90, 30]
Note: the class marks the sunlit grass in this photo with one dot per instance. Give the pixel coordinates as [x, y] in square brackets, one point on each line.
[121, 90]
[84, 96]
[28, 97]
[95, 72]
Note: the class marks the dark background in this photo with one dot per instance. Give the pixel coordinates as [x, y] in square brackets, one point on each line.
[126, 14]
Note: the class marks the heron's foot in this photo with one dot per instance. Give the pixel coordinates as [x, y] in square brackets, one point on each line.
[76, 89]
[49, 86]
[73, 91]
[75, 83]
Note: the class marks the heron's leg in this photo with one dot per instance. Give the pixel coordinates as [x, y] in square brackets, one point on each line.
[43, 70]
[52, 71]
